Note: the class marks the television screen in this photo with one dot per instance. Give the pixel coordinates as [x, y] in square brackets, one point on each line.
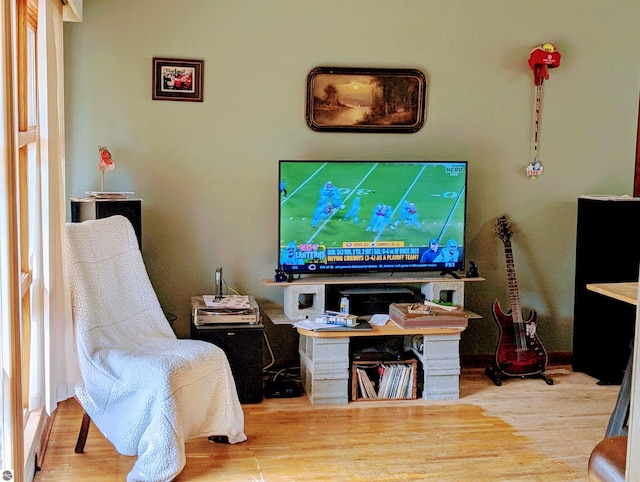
[368, 216]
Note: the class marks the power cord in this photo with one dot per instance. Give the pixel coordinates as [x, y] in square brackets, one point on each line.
[273, 358]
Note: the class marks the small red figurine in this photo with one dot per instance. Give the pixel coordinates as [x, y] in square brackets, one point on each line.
[106, 163]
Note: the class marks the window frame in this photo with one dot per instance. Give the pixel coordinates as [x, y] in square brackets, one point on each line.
[22, 251]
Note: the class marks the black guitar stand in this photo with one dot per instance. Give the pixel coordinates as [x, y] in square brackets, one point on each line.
[497, 376]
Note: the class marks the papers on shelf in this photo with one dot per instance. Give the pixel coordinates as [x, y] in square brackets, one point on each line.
[609, 197]
[110, 194]
[312, 325]
[229, 302]
[379, 319]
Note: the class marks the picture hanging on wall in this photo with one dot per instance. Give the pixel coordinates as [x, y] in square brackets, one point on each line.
[365, 100]
[177, 79]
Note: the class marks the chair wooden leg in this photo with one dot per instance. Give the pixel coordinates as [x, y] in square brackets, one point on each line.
[84, 432]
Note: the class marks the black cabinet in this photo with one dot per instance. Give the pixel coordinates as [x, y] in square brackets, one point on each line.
[607, 250]
[83, 209]
[243, 346]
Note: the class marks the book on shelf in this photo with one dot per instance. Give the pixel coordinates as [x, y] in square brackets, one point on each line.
[404, 382]
[395, 386]
[391, 375]
[367, 388]
[407, 385]
[385, 381]
[395, 372]
[360, 377]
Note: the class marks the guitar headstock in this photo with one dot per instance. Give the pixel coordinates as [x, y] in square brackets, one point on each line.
[503, 229]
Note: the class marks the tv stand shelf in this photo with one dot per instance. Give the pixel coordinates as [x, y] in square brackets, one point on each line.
[373, 279]
[313, 288]
[324, 356]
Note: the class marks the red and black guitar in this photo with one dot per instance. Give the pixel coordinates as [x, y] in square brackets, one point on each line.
[519, 352]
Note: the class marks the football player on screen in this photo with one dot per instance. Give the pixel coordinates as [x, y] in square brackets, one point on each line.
[330, 193]
[353, 211]
[412, 216]
[374, 216]
[404, 212]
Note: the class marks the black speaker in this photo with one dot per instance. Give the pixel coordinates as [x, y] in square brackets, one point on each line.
[606, 252]
[90, 208]
[243, 346]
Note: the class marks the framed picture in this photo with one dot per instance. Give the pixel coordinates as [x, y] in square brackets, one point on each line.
[365, 100]
[177, 79]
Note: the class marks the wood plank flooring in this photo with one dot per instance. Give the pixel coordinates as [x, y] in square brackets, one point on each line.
[524, 430]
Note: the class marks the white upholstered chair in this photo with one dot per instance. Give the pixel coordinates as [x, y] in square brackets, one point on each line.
[146, 390]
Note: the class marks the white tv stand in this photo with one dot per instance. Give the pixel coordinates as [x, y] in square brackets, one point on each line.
[324, 356]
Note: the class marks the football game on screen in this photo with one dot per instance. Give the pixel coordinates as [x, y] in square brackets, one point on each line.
[370, 215]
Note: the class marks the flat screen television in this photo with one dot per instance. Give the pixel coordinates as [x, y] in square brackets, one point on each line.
[371, 216]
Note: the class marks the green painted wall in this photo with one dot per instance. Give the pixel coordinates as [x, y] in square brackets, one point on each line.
[208, 171]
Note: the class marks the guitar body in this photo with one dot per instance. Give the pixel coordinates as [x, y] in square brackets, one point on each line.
[512, 357]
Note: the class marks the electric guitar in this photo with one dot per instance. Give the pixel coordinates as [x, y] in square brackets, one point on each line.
[519, 351]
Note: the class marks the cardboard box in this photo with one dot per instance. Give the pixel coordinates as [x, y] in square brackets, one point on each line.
[431, 318]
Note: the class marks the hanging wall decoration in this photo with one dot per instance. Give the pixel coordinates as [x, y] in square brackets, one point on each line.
[541, 59]
[353, 99]
[177, 79]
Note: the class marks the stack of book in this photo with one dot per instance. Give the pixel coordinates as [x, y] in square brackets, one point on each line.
[386, 380]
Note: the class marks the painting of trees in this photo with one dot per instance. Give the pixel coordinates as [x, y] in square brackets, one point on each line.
[366, 100]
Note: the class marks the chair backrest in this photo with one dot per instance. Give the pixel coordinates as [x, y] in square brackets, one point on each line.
[111, 293]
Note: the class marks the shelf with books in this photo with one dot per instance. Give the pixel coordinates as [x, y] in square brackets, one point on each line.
[383, 380]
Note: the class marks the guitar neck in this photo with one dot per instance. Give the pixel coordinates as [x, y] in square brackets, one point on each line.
[514, 296]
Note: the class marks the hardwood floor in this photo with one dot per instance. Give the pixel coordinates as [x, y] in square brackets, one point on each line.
[524, 430]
